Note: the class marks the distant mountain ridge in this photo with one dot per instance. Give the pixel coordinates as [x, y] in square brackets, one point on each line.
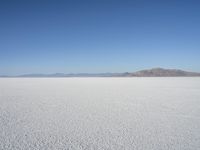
[71, 75]
[154, 72]
[160, 72]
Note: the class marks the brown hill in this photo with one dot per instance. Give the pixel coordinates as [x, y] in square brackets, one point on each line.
[160, 72]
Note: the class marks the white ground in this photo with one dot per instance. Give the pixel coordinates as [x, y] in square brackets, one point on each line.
[100, 113]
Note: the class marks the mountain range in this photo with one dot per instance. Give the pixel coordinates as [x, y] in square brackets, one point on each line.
[160, 72]
[154, 72]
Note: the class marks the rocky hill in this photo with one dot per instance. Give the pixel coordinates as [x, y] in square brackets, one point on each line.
[160, 72]
[155, 72]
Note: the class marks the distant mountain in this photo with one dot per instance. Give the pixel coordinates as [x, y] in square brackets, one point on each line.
[73, 75]
[160, 72]
[4, 76]
[155, 72]
[43, 75]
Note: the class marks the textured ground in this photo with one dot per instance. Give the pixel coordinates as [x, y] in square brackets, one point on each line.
[100, 113]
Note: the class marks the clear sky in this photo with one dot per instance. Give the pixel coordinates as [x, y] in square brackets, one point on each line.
[46, 36]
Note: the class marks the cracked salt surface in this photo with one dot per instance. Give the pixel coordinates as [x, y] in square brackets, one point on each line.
[100, 113]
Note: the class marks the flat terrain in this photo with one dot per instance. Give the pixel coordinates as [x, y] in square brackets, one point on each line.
[100, 113]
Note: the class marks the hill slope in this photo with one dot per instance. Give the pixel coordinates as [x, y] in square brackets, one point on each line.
[155, 72]
[160, 72]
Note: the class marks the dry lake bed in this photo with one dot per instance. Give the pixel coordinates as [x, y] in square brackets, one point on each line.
[100, 113]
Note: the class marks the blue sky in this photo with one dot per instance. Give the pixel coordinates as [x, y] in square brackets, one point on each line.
[46, 36]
